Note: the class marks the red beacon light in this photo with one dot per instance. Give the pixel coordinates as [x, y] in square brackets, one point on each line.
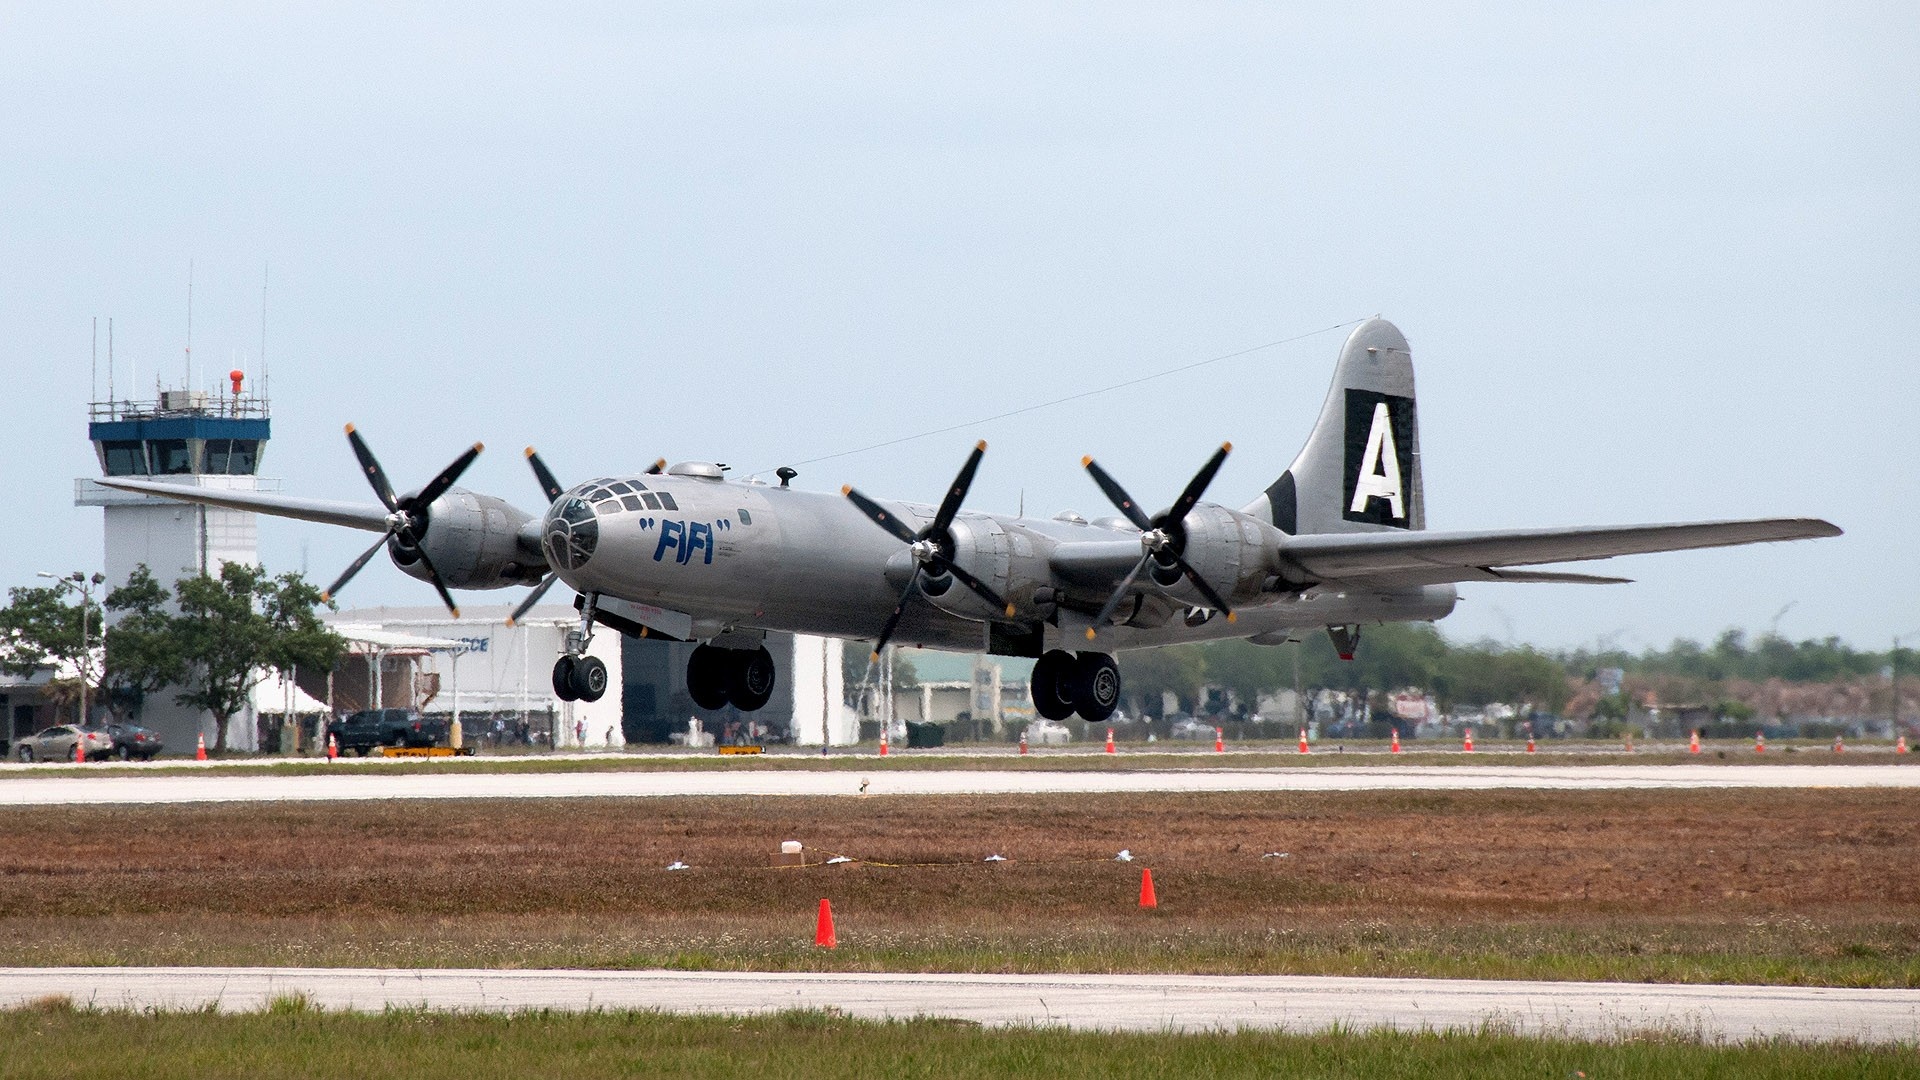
[238, 377]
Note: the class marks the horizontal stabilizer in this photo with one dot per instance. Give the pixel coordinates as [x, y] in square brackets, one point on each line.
[368, 516]
[1384, 559]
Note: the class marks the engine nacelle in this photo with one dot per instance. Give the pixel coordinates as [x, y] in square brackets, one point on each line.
[1008, 563]
[475, 542]
[1231, 550]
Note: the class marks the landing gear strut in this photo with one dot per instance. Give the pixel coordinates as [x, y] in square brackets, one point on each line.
[577, 676]
[743, 678]
[1064, 684]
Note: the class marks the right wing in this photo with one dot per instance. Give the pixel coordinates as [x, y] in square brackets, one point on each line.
[1383, 559]
[368, 516]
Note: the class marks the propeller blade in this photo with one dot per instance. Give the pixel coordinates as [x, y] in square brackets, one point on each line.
[1120, 594]
[940, 564]
[1198, 485]
[371, 466]
[881, 517]
[949, 506]
[893, 620]
[1206, 590]
[1118, 495]
[355, 568]
[533, 598]
[545, 475]
[438, 485]
[659, 466]
[438, 585]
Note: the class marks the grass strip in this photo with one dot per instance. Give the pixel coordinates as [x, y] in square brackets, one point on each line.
[290, 1038]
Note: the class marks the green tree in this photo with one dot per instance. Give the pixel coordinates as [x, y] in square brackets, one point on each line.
[42, 628]
[143, 651]
[227, 634]
[1148, 673]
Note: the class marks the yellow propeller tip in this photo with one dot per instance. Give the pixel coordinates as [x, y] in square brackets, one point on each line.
[349, 429]
[1226, 448]
[1086, 461]
[1009, 611]
[326, 598]
[1233, 616]
[456, 612]
[510, 621]
[873, 658]
[846, 489]
[981, 445]
[477, 447]
[1090, 634]
[528, 451]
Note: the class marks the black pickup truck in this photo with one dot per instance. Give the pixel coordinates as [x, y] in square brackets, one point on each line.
[362, 731]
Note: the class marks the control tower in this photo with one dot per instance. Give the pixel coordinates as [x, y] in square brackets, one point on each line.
[193, 438]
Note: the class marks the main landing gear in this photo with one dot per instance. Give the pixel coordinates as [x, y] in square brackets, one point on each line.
[719, 677]
[1065, 683]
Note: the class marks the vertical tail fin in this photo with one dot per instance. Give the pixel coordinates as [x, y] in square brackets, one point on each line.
[1360, 469]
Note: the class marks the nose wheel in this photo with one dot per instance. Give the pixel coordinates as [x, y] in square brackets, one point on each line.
[579, 678]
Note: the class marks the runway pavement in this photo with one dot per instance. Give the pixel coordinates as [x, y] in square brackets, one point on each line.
[209, 786]
[1106, 1002]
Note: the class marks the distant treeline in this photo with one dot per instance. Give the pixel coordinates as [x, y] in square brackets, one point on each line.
[1400, 655]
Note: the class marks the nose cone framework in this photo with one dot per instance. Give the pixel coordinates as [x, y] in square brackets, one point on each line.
[572, 533]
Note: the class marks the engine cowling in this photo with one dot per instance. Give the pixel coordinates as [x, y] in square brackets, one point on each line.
[475, 541]
[1008, 563]
[1231, 550]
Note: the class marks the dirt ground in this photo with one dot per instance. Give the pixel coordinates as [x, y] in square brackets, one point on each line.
[1700, 885]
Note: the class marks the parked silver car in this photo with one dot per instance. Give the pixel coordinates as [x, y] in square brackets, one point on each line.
[62, 742]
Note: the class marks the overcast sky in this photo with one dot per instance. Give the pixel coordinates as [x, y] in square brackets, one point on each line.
[1656, 261]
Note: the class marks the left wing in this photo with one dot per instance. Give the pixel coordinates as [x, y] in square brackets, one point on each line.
[368, 516]
[1384, 559]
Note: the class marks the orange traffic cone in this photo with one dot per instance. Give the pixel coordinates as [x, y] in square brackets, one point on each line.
[200, 748]
[1760, 742]
[1629, 744]
[1395, 748]
[883, 741]
[1023, 742]
[1838, 746]
[1147, 898]
[1303, 741]
[1529, 740]
[333, 747]
[1900, 745]
[1109, 740]
[1219, 741]
[1693, 744]
[80, 750]
[1467, 745]
[823, 935]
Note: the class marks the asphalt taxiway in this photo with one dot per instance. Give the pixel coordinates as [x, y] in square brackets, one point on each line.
[1100, 1002]
[202, 786]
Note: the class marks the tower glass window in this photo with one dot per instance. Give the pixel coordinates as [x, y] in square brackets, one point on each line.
[125, 457]
[170, 456]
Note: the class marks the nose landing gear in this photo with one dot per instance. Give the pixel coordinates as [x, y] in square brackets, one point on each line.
[577, 676]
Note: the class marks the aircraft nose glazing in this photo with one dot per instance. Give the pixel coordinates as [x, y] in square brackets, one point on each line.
[571, 535]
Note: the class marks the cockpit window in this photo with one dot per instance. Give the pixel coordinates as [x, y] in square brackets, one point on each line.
[745, 518]
[631, 502]
[666, 502]
[652, 500]
[619, 488]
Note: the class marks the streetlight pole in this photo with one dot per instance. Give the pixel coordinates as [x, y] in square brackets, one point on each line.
[79, 582]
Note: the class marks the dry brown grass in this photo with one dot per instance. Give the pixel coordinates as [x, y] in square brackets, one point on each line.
[1774, 885]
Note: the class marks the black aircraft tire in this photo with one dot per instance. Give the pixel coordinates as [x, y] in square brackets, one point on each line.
[750, 679]
[707, 677]
[589, 678]
[563, 679]
[1051, 685]
[1096, 687]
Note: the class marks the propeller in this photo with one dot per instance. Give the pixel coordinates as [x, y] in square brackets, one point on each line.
[551, 486]
[1163, 538]
[932, 547]
[406, 515]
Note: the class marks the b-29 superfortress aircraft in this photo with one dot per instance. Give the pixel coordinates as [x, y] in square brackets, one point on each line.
[1339, 540]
